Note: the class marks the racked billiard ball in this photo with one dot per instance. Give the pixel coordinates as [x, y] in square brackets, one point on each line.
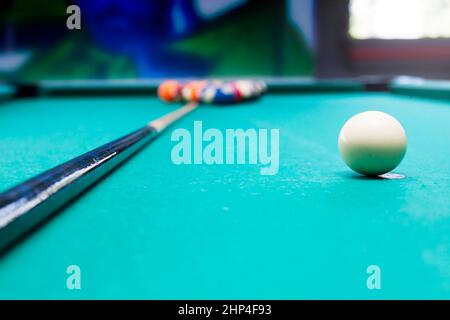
[169, 91]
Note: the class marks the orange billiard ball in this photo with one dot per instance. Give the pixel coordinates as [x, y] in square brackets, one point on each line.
[170, 91]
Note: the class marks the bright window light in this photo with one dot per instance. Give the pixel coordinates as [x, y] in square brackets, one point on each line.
[399, 19]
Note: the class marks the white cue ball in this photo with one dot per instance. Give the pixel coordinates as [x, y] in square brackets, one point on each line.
[372, 143]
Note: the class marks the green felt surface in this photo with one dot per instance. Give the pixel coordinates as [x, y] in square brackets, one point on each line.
[155, 230]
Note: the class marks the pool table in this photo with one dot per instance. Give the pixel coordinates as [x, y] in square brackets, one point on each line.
[155, 230]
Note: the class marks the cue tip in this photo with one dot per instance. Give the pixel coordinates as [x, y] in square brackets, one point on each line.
[161, 123]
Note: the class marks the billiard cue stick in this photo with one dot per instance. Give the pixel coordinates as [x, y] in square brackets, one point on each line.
[23, 207]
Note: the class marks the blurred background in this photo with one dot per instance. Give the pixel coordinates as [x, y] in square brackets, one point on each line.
[206, 38]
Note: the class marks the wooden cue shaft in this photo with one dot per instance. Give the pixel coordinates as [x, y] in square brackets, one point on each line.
[25, 206]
